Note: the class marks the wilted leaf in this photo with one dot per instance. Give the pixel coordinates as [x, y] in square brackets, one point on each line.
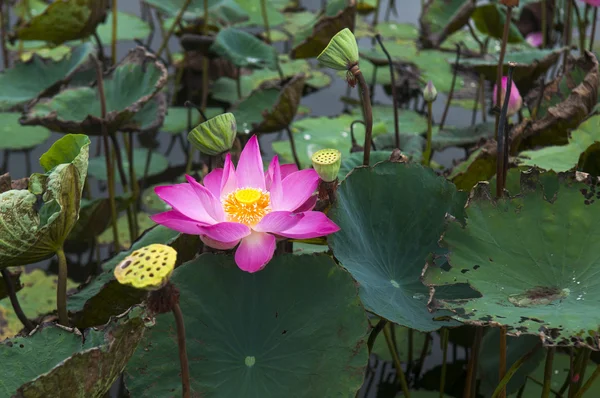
[479, 166]
[441, 18]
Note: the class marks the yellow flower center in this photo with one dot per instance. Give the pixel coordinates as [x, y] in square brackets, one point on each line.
[247, 205]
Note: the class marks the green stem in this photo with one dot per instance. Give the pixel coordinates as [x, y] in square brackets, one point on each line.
[397, 364]
[113, 44]
[585, 358]
[183, 358]
[3, 22]
[544, 24]
[61, 289]
[14, 300]
[567, 33]
[471, 378]
[580, 27]
[427, 153]
[502, 359]
[500, 68]
[589, 382]
[548, 372]
[513, 369]
[376, 15]
[394, 98]
[263, 8]
[135, 188]
[594, 21]
[451, 93]
[445, 334]
[293, 146]
[374, 333]
[368, 112]
[165, 41]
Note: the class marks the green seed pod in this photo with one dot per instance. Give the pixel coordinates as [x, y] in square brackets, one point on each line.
[429, 92]
[326, 163]
[341, 52]
[214, 136]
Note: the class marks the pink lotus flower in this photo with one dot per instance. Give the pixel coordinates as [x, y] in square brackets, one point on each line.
[514, 102]
[593, 3]
[247, 206]
[535, 39]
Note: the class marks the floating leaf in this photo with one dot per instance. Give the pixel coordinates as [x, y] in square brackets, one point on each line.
[129, 27]
[37, 297]
[355, 159]
[409, 122]
[403, 208]
[225, 11]
[490, 20]
[274, 350]
[536, 281]
[397, 31]
[313, 39]
[18, 137]
[479, 166]
[55, 359]
[441, 18]
[176, 120]
[462, 136]
[107, 236]
[76, 19]
[28, 235]
[244, 50]
[31, 48]
[158, 164]
[127, 87]
[27, 80]
[254, 11]
[104, 297]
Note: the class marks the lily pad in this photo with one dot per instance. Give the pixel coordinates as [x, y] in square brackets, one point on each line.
[176, 118]
[490, 19]
[224, 11]
[441, 18]
[244, 50]
[29, 235]
[37, 297]
[271, 109]
[18, 137]
[462, 136]
[312, 40]
[27, 80]
[263, 340]
[479, 166]
[158, 164]
[534, 281]
[397, 31]
[76, 19]
[129, 27]
[403, 208]
[409, 122]
[127, 87]
[355, 159]
[255, 17]
[55, 358]
[103, 297]
[41, 48]
[144, 223]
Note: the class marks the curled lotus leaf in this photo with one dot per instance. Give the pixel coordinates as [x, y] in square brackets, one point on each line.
[490, 20]
[479, 166]
[441, 18]
[55, 361]
[36, 222]
[136, 80]
[244, 49]
[62, 21]
[539, 281]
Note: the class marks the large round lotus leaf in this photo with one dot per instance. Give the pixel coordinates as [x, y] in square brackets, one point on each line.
[144, 223]
[255, 16]
[16, 136]
[244, 50]
[55, 361]
[441, 18]
[176, 120]
[104, 297]
[385, 246]
[411, 145]
[26, 80]
[462, 136]
[530, 258]
[225, 11]
[409, 122]
[565, 157]
[355, 159]
[30, 233]
[37, 297]
[158, 164]
[516, 347]
[490, 18]
[295, 326]
[397, 31]
[127, 88]
[129, 27]
[76, 19]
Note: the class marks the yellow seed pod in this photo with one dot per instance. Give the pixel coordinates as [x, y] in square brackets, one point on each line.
[327, 163]
[147, 268]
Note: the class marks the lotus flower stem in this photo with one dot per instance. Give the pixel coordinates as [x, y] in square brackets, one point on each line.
[471, 379]
[502, 143]
[482, 46]
[451, 93]
[293, 146]
[567, 33]
[581, 25]
[376, 14]
[513, 369]
[107, 155]
[263, 9]
[424, 352]
[409, 343]
[368, 112]
[544, 24]
[500, 68]
[445, 334]
[119, 160]
[482, 97]
[394, 99]
[238, 82]
[548, 372]
[397, 364]
[165, 41]
[594, 21]
[374, 333]
[61, 289]
[135, 188]
[427, 152]
[113, 44]
[183, 358]
[589, 382]
[3, 22]
[100, 46]
[14, 300]
[502, 359]
[581, 367]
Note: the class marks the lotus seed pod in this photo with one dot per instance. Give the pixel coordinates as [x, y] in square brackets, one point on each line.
[215, 135]
[429, 92]
[341, 52]
[326, 163]
[147, 268]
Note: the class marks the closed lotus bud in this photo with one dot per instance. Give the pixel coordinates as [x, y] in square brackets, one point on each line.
[534, 39]
[342, 51]
[215, 136]
[326, 163]
[429, 92]
[514, 102]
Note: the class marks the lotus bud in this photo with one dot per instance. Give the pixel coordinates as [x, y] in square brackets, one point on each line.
[342, 51]
[215, 136]
[429, 92]
[535, 39]
[514, 102]
[326, 163]
[147, 268]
